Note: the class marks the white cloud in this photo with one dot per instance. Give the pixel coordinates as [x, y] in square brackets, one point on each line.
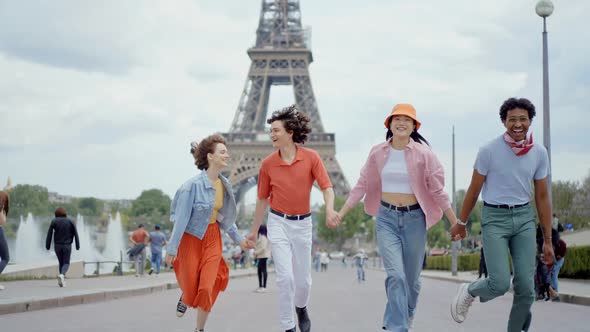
[102, 98]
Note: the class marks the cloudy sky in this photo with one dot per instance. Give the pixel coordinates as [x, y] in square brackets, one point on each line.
[101, 98]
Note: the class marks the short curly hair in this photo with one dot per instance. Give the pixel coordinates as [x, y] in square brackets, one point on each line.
[207, 145]
[294, 121]
[513, 103]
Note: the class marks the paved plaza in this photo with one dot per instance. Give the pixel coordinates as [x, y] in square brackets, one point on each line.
[338, 304]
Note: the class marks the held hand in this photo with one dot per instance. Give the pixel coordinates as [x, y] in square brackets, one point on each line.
[332, 218]
[170, 259]
[458, 232]
[247, 244]
[548, 254]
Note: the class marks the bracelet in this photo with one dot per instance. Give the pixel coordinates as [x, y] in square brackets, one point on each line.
[459, 222]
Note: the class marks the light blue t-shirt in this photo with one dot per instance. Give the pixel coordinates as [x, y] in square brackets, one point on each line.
[157, 239]
[509, 177]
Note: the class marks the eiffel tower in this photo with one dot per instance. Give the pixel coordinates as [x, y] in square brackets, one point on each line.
[281, 56]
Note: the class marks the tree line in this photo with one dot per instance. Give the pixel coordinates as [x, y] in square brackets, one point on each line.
[150, 207]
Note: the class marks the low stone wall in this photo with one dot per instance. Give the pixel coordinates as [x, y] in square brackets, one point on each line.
[46, 269]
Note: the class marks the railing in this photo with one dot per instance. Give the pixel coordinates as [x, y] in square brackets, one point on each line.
[118, 270]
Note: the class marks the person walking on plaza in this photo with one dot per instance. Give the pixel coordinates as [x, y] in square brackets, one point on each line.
[403, 185]
[359, 261]
[505, 168]
[284, 183]
[560, 252]
[205, 205]
[262, 253]
[4, 255]
[157, 240]
[63, 231]
[140, 239]
[324, 261]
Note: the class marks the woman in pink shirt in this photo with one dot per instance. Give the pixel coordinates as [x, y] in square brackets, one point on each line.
[403, 185]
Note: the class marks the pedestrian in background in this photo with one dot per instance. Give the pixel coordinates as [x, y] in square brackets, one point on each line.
[157, 240]
[262, 253]
[4, 207]
[140, 239]
[63, 231]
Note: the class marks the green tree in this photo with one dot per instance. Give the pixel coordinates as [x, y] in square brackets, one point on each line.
[355, 222]
[438, 236]
[25, 198]
[151, 202]
[90, 206]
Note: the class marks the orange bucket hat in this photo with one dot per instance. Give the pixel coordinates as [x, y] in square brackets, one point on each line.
[403, 109]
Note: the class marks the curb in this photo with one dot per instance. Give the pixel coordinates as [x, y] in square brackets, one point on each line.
[90, 297]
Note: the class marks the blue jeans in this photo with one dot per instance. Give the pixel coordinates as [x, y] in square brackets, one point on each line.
[156, 261]
[401, 237]
[555, 272]
[360, 273]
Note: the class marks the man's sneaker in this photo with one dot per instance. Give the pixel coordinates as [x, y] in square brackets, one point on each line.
[60, 280]
[461, 303]
[180, 308]
[1, 287]
[151, 271]
[303, 319]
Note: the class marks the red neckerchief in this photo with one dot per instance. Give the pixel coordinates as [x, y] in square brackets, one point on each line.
[521, 147]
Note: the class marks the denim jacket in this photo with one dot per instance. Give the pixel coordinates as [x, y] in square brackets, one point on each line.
[193, 208]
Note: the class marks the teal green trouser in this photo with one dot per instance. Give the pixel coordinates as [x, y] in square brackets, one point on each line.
[509, 231]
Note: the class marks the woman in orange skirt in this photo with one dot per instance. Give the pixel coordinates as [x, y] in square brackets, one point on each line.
[204, 204]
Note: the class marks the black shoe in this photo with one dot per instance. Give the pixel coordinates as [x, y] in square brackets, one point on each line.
[151, 271]
[290, 330]
[180, 308]
[303, 319]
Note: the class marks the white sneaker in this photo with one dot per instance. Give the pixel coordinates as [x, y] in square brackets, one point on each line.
[60, 280]
[1, 287]
[461, 303]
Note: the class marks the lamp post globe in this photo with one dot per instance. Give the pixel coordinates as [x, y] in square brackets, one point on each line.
[544, 8]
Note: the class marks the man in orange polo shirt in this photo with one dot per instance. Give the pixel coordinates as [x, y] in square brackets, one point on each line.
[284, 184]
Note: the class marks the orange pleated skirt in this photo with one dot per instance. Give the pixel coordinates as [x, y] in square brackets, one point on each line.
[200, 269]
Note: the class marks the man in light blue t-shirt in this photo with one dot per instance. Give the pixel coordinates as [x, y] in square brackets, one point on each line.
[506, 169]
[157, 240]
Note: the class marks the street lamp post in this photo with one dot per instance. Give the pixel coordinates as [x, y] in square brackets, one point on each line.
[454, 244]
[544, 9]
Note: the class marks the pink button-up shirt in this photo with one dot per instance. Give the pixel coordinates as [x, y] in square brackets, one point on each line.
[425, 172]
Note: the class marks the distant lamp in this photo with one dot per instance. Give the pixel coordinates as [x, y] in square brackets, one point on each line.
[544, 8]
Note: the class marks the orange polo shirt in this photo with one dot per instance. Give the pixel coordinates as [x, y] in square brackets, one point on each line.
[289, 186]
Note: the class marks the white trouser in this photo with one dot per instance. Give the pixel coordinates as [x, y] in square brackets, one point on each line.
[291, 251]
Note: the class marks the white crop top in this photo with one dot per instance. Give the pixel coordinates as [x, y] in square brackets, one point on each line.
[394, 176]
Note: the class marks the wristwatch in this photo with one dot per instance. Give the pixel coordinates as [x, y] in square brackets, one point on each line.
[459, 222]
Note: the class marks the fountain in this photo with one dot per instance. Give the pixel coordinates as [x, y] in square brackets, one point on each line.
[114, 244]
[87, 252]
[29, 246]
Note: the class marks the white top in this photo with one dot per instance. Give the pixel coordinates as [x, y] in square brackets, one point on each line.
[394, 176]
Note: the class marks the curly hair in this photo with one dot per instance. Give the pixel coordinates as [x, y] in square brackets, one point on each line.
[60, 212]
[207, 145]
[294, 121]
[4, 202]
[513, 103]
